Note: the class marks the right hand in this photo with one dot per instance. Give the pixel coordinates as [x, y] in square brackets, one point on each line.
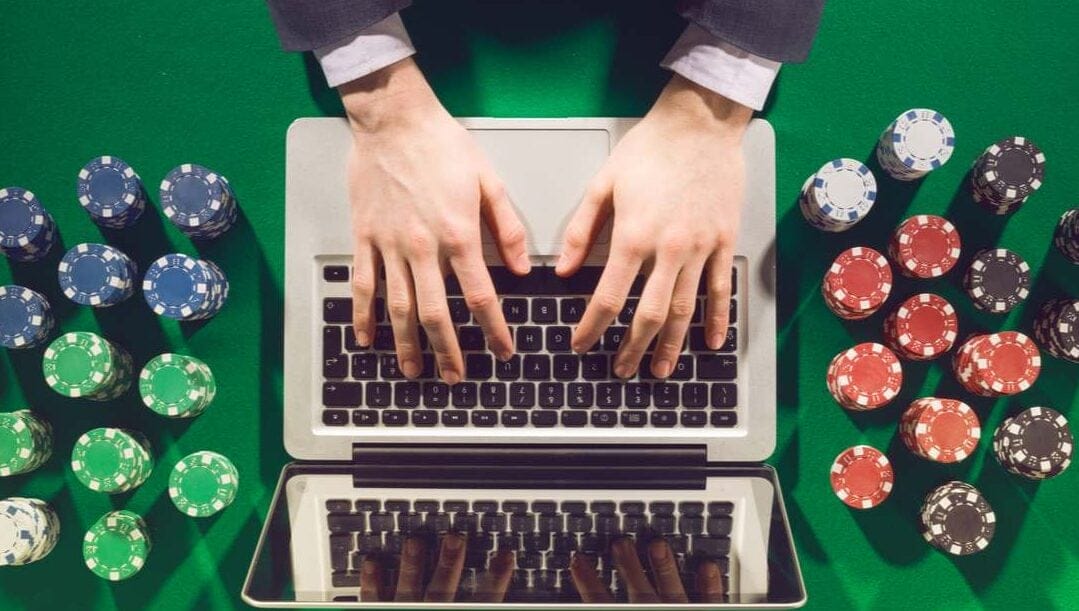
[665, 586]
[418, 184]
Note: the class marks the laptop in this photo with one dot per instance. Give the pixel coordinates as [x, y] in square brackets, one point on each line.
[547, 455]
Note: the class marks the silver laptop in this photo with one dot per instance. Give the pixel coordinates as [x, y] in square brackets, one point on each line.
[546, 455]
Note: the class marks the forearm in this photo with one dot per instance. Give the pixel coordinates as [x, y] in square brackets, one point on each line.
[399, 92]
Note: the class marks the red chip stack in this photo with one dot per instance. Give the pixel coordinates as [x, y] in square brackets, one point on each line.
[857, 284]
[925, 246]
[940, 430]
[862, 477]
[865, 377]
[997, 364]
[922, 328]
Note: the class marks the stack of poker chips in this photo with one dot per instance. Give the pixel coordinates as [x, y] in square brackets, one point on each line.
[1036, 443]
[1057, 328]
[925, 246]
[862, 477]
[111, 460]
[838, 195]
[177, 386]
[26, 318]
[997, 364]
[25, 442]
[957, 519]
[997, 280]
[117, 546]
[865, 377]
[919, 141]
[1006, 174]
[857, 283]
[29, 530]
[203, 483]
[199, 201]
[85, 365]
[97, 275]
[940, 430]
[111, 192]
[27, 230]
[181, 287]
[922, 328]
[1066, 236]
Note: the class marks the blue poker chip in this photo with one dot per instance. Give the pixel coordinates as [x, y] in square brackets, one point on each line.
[198, 201]
[96, 275]
[182, 287]
[25, 317]
[27, 230]
[111, 192]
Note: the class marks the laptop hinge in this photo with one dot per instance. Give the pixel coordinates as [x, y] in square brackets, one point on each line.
[524, 466]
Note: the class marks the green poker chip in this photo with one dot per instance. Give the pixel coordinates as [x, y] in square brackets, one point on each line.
[176, 385]
[83, 364]
[203, 483]
[25, 442]
[111, 460]
[117, 546]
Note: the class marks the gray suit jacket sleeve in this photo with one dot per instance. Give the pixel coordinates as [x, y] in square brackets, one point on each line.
[780, 30]
[304, 25]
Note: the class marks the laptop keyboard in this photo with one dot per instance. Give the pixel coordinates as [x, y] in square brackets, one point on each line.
[544, 534]
[544, 385]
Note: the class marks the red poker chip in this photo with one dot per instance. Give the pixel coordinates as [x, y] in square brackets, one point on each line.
[1006, 363]
[858, 281]
[862, 477]
[925, 246]
[866, 376]
[923, 327]
[941, 430]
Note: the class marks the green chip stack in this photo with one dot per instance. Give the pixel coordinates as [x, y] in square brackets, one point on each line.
[176, 385]
[29, 530]
[83, 364]
[25, 442]
[203, 484]
[112, 460]
[116, 546]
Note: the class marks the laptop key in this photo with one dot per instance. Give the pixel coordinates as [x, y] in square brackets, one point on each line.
[331, 341]
[683, 368]
[544, 506]
[522, 394]
[459, 312]
[454, 418]
[724, 419]
[471, 338]
[493, 394]
[509, 370]
[345, 579]
[406, 394]
[717, 366]
[566, 367]
[529, 560]
[536, 542]
[424, 417]
[694, 395]
[427, 369]
[634, 419]
[465, 522]
[691, 525]
[638, 394]
[378, 394]
[515, 310]
[544, 311]
[635, 524]
[603, 419]
[350, 341]
[492, 522]
[383, 338]
[720, 525]
[580, 395]
[551, 395]
[436, 394]
[388, 367]
[665, 395]
[365, 366]
[478, 367]
[537, 367]
[529, 339]
[594, 367]
[340, 546]
[563, 543]
[711, 547]
[612, 338]
[334, 417]
[664, 419]
[574, 507]
[544, 419]
[679, 544]
[335, 273]
[484, 417]
[574, 418]
[339, 506]
[608, 395]
[628, 310]
[558, 339]
[571, 309]
[579, 523]
[720, 508]
[724, 395]
[342, 394]
[694, 419]
[337, 310]
[364, 417]
[733, 317]
[346, 522]
[521, 522]
[392, 544]
[395, 417]
[464, 394]
[514, 418]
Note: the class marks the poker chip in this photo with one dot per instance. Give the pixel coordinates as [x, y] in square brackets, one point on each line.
[96, 275]
[182, 287]
[110, 191]
[997, 280]
[176, 385]
[940, 430]
[997, 364]
[1056, 328]
[203, 483]
[85, 365]
[111, 460]
[865, 377]
[857, 283]
[917, 142]
[925, 246]
[117, 545]
[27, 230]
[922, 328]
[1066, 236]
[1036, 443]
[29, 530]
[839, 195]
[862, 477]
[26, 442]
[198, 201]
[26, 318]
[1006, 174]
[957, 519]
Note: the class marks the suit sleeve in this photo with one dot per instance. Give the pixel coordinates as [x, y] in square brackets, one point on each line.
[304, 25]
[779, 30]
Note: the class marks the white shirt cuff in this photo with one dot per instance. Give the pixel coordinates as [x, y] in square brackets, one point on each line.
[371, 49]
[721, 67]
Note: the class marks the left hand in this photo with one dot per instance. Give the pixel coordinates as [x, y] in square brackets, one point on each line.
[674, 185]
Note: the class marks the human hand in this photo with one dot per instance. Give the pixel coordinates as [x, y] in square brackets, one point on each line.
[674, 185]
[418, 184]
[445, 577]
[665, 587]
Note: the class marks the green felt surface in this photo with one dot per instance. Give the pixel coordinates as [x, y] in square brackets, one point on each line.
[163, 83]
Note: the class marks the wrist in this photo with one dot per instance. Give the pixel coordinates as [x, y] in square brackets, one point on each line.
[388, 97]
[685, 103]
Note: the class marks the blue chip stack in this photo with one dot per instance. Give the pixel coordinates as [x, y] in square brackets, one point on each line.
[181, 287]
[111, 192]
[96, 275]
[198, 201]
[25, 317]
[27, 230]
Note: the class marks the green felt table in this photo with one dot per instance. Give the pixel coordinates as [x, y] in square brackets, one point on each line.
[164, 83]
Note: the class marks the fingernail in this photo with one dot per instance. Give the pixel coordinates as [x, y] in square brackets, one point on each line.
[524, 261]
[369, 567]
[711, 570]
[717, 341]
[624, 371]
[362, 338]
[410, 368]
[659, 551]
[450, 377]
[561, 262]
[663, 368]
[412, 548]
[452, 543]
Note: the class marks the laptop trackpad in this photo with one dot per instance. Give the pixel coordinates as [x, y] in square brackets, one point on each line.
[545, 172]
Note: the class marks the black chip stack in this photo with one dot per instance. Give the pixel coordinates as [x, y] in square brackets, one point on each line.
[957, 519]
[1036, 443]
[1006, 174]
[1066, 237]
[1056, 328]
[997, 280]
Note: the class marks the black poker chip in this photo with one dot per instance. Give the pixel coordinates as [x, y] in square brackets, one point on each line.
[997, 280]
[1056, 328]
[1066, 236]
[1036, 443]
[1009, 170]
[957, 519]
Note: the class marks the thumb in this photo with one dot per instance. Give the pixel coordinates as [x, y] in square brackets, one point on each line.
[508, 231]
[585, 225]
